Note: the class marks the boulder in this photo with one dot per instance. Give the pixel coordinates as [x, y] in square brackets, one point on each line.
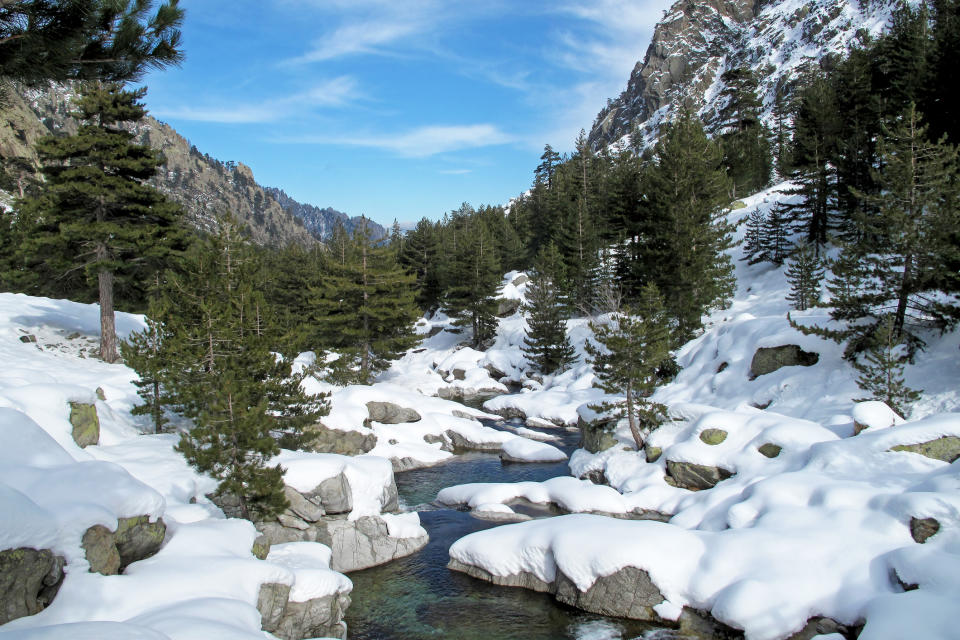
[818, 627]
[363, 543]
[627, 593]
[946, 448]
[29, 580]
[769, 359]
[101, 394]
[29, 338]
[271, 601]
[653, 453]
[333, 494]
[520, 279]
[100, 548]
[495, 373]
[138, 538]
[261, 547]
[292, 522]
[348, 443]
[300, 506]
[695, 477]
[86, 424]
[921, 529]
[316, 618]
[389, 413]
[507, 307]
[459, 374]
[713, 436]
[597, 436]
[770, 450]
[460, 442]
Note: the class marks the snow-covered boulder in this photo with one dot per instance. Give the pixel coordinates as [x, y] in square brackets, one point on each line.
[29, 579]
[769, 359]
[390, 413]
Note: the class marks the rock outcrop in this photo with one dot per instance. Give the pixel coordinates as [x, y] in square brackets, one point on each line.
[769, 359]
[946, 448]
[347, 443]
[85, 423]
[922, 529]
[136, 538]
[598, 435]
[389, 413]
[695, 477]
[29, 580]
[289, 620]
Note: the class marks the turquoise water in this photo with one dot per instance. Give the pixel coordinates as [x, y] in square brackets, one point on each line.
[418, 597]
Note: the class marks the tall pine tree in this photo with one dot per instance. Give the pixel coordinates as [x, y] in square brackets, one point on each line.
[546, 344]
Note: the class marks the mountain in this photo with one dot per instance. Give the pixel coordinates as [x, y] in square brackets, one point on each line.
[696, 42]
[321, 222]
[205, 186]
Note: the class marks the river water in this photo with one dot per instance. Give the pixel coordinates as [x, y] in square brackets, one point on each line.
[418, 597]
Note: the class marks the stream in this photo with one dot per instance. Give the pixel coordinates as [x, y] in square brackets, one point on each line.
[418, 597]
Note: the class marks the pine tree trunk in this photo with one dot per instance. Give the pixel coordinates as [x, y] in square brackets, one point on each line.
[157, 410]
[903, 296]
[108, 330]
[632, 418]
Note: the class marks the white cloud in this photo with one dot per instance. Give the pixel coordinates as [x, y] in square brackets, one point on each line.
[421, 142]
[335, 92]
[455, 172]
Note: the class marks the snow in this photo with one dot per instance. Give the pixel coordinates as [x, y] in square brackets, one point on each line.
[368, 476]
[310, 564]
[404, 525]
[532, 451]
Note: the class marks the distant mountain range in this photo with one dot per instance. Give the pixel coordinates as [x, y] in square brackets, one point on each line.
[205, 186]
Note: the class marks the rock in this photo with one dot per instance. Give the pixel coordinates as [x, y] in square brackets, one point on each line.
[363, 543]
[348, 443]
[100, 548]
[770, 450]
[520, 279]
[596, 476]
[509, 413]
[459, 374]
[434, 331]
[86, 424]
[769, 359]
[819, 626]
[873, 414]
[597, 436]
[507, 307]
[101, 394]
[29, 338]
[627, 593]
[653, 453]
[713, 436]
[333, 494]
[261, 547]
[695, 476]
[389, 413]
[460, 442]
[316, 618]
[292, 522]
[29, 580]
[923, 528]
[300, 506]
[946, 448]
[138, 538]
[495, 373]
[389, 497]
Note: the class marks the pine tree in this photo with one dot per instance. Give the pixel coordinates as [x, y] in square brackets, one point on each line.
[366, 307]
[107, 40]
[745, 138]
[804, 273]
[546, 344]
[99, 215]
[474, 279]
[754, 240]
[419, 255]
[881, 370]
[630, 350]
[775, 235]
[683, 232]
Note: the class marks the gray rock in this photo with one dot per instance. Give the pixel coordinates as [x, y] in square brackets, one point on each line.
[86, 424]
[138, 538]
[333, 494]
[261, 547]
[495, 373]
[713, 436]
[316, 618]
[820, 626]
[523, 579]
[389, 413]
[100, 548]
[348, 443]
[770, 450]
[627, 593]
[923, 528]
[300, 506]
[597, 436]
[101, 394]
[459, 374]
[946, 448]
[434, 331]
[389, 498]
[507, 307]
[29, 580]
[363, 543]
[29, 338]
[520, 279]
[769, 359]
[653, 453]
[292, 522]
[462, 443]
[695, 476]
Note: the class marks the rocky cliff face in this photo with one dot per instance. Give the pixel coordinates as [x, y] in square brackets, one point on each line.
[696, 42]
[321, 222]
[205, 186]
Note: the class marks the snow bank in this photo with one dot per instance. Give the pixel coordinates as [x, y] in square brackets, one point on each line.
[310, 564]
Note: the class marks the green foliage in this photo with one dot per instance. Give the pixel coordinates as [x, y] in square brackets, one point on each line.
[774, 242]
[881, 369]
[109, 40]
[474, 276]
[805, 274]
[745, 139]
[547, 345]
[630, 352]
[364, 306]
[753, 239]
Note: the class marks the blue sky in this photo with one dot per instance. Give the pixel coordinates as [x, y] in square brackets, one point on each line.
[397, 109]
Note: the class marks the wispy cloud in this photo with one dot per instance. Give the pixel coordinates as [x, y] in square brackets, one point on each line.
[455, 172]
[421, 142]
[335, 92]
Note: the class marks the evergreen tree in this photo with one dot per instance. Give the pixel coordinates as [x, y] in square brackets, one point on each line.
[881, 370]
[630, 350]
[804, 273]
[547, 345]
[683, 235]
[754, 239]
[148, 352]
[98, 214]
[474, 279]
[419, 255]
[366, 307]
[109, 40]
[776, 232]
[745, 138]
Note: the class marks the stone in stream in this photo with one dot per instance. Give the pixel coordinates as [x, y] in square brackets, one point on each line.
[289, 620]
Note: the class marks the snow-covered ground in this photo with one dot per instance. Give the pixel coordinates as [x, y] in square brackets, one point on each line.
[811, 519]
